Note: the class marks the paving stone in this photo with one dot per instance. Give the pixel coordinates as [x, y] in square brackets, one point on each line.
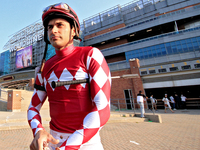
[178, 131]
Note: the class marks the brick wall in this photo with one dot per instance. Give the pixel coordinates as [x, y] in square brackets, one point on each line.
[118, 87]
[134, 69]
[14, 100]
[121, 84]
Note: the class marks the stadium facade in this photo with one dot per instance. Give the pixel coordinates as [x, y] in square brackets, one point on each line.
[157, 39]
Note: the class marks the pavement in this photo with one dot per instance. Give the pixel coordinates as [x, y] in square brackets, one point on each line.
[123, 131]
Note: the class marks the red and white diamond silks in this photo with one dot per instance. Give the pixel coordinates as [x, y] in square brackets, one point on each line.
[81, 109]
[38, 98]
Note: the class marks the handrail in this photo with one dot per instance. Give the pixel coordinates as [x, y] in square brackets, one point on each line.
[121, 103]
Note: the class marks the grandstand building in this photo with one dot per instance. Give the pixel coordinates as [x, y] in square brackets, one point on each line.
[162, 34]
[157, 39]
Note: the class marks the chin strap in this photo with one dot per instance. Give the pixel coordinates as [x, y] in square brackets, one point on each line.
[38, 87]
[43, 59]
[45, 51]
[77, 34]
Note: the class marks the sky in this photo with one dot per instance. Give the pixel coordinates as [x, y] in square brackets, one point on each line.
[18, 14]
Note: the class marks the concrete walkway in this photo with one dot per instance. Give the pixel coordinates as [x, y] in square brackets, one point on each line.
[18, 120]
[178, 131]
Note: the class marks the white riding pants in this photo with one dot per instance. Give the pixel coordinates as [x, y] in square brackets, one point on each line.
[93, 144]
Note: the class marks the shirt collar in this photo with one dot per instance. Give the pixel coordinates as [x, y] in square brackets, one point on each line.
[66, 51]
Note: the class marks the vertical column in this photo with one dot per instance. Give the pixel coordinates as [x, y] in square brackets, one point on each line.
[14, 101]
[137, 82]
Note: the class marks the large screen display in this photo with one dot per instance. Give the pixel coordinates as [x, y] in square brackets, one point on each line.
[24, 58]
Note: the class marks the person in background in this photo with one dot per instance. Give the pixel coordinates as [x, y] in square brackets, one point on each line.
[154, 102]
[172, 102]
[183, 100]
[177, 101]
[166, 103]
[140, 100]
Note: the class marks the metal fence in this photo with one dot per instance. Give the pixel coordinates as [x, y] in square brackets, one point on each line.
[130, 104]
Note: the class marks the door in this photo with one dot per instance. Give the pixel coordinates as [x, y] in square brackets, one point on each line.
[128, 98]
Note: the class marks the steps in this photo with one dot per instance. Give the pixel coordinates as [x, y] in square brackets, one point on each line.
[18, 120]
[125, 117]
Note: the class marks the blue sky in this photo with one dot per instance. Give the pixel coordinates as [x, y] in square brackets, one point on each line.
[17, 14]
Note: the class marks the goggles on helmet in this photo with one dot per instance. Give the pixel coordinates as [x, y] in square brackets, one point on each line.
[57, 6]
[62, 8]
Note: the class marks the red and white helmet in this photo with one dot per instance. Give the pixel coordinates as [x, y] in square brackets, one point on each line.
[61, 10]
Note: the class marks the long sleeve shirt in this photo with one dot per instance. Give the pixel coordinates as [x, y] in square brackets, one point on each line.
[80, 109]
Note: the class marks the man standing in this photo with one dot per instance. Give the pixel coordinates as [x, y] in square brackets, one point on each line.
[177, 101]
[183, 100]
[173, 102]
[140, 100]
[78, 111]
[153, 103]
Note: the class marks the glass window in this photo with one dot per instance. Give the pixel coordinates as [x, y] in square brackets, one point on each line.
[173, 43]
[152, 71]
[182, 41]
[157, 47]
[196, 46]
[173, 69]
[137, 55]
[185, 67]
[159, 52]
[162, 70]
[143, 72]
[190, 47]
[198, 39]
[153, 50]
[194, 40]
[141, 55]
[188, 41]
[196, 65]
[164, 52]
[162, 46]
[178, 43]
[179, 49]
[149, 52]
[145, 54]
[133, 53]
[174, 49]
[169, 50]
[185, 48]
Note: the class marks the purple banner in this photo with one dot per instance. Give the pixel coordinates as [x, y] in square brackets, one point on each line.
[24, 58]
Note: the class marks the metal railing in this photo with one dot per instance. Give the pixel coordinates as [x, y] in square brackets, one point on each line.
[131, 104]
